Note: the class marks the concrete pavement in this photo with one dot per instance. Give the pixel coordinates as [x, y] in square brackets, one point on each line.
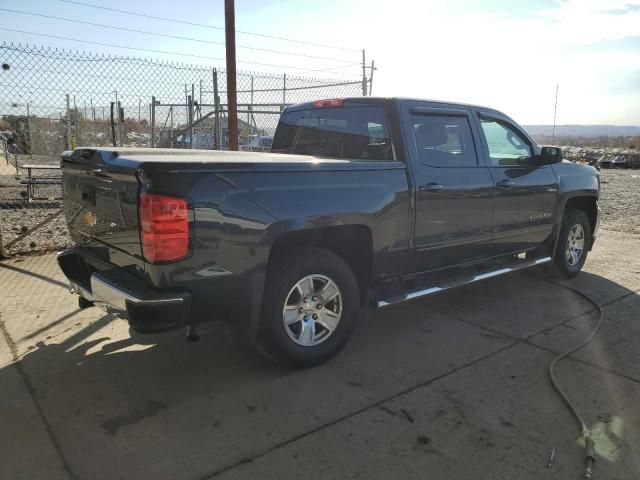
[450, 387]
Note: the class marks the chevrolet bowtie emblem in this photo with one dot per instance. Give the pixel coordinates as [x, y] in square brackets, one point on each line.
[91, 219]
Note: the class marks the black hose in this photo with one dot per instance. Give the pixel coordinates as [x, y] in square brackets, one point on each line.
[589, 444]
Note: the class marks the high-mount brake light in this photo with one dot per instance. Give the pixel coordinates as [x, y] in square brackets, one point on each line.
[164, 227]
[328, 103]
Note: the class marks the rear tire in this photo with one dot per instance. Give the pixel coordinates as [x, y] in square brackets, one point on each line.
[300, 333]
[574, 242]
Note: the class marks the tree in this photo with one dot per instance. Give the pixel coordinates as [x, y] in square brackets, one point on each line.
[133, 125]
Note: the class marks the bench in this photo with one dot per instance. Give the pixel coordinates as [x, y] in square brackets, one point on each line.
[32, 181]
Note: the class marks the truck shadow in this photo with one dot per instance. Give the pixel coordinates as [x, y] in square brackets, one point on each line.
[154, 389]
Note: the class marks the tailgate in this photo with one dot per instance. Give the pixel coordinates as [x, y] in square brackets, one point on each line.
[101, 199]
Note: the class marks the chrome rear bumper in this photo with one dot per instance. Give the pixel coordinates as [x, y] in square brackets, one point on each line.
[125, 295]
[115, 297]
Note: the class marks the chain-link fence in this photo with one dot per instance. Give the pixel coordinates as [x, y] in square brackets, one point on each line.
[55, 99]
[52, 100]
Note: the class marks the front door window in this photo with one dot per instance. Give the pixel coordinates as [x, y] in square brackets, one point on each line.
[506, 146]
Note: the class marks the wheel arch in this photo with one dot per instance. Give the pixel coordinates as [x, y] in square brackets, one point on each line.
[352, 243]
[588, 204]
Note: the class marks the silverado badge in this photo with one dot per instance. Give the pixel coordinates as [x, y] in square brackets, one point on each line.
[91, 219]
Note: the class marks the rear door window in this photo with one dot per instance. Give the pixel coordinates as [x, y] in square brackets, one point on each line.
[353, 132]
[444, 140]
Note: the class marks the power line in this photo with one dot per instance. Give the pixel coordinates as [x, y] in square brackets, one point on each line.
[154, 50]
[166, 35]
[304, 42]
[333, 69]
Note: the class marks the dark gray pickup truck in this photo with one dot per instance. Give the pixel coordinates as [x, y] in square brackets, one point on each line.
[363, 201]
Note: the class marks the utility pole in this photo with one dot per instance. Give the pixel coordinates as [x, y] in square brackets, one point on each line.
[555, 109]
[232, 94]
[373, 68]
[364, 75]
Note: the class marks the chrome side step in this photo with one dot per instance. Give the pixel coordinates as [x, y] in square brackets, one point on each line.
[463, 281]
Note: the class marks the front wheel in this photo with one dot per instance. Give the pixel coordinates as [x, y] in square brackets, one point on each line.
[310, 307]
[573, 244]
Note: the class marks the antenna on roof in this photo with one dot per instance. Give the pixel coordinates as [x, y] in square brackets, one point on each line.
[555, 109]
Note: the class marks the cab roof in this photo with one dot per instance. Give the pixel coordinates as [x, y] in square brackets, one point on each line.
[390, 100]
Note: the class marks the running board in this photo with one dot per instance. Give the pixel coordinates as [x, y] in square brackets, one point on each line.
[460, 282]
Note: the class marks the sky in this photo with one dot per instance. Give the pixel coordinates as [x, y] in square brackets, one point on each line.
[504, 54]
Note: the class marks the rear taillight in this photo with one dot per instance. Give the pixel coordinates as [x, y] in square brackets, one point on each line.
[331, 102]
[164, 227]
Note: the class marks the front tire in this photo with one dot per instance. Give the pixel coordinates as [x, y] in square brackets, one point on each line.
[574, 242]
[310, 307]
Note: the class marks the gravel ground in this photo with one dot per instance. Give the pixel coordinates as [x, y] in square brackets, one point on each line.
[620, 200]
[620, 204]
[51, 236]
[18, 217]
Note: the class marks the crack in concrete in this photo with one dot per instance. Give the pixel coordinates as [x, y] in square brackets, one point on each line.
[377, 404]
[526, 340]
[354, 413]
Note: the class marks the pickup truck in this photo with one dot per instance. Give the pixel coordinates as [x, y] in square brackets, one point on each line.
[362, 201]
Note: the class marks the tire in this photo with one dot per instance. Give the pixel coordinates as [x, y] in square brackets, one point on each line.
[302, 344]
[575, 232]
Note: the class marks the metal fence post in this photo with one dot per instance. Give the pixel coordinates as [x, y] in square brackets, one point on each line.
[171, 137]
[364, 75]
[77, 124]
[95, 134]
[153, 121]
[30, 132]
[192, 115]
[189, 130]
[113, 125]
[217, 145]
[118, 118]
[85, 118]
[284, 90]
[121, 122]
[68, 117]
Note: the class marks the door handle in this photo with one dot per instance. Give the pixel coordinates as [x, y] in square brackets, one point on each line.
[505, 184]
[430, 187]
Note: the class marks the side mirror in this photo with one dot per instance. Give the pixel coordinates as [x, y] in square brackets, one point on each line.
[549, 155]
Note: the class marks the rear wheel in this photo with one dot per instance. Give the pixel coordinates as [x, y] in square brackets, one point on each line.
[573, 244]
[310, 307]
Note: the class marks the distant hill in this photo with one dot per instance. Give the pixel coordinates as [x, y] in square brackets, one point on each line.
[583, 130]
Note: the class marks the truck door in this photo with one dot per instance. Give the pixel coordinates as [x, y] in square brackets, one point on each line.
[524, 192]
[453, 188]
